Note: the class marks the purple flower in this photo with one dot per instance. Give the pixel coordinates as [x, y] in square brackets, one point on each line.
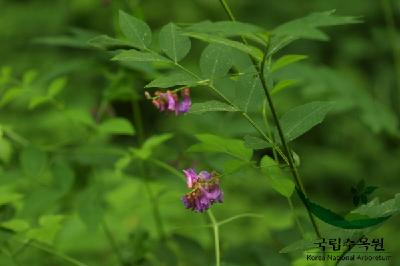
[169, 101]
[205, 190]
[191, 177]
[186, 103]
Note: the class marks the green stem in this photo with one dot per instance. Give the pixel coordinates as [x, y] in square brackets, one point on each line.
[166, 167]
[137, 117]
[286, 149]
[12, 255]
[298, 224]
[60, 255]
[296, 219]
[112, 242]
[155, 208]
[216, 237]
[245, 115]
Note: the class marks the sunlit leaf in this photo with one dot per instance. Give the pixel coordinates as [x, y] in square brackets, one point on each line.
[138, 56]
[276, 177]
[251, 50]
[175, 45]
[108, 43]
[301, 119]
[117, 126]
[135, 30]
[211, 106]
[213, 143]
[286, 60]
[174, 79]
[215, 61]
[49, 226]
[150, 144]
[281, 85]
[255, 143]
[56, 86]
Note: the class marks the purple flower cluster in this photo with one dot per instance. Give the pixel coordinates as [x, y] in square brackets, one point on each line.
[169, 101]
[205, 190]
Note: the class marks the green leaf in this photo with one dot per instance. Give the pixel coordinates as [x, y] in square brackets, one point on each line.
[10, 95]
[135, 30]
[63, 176]
[301, 119]
[108, 43]
[49, 226]
[33, 161]
[9, 197]
[16, 225]
[56, 87]
[90, 209]
[80, 116]
[175, 45]
[374, 208]
[215, 61]
[277, 179]
[38, 101]
[337, 233]
[150, 144]
[231, 29]
[6, 149]
[225, 28]
[379, 117]
[213, 143]
[286, 60]
[211, 106]
[232, 166]
[248, 49]
[335, 219]
[174, 79]
[7, 212]
[116, 126]
[137, 56]
[249, 93]
[281, 85]
[308, 27]
[255, 143]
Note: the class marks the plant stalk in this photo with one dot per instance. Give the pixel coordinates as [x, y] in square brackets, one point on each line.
[286, 149]
[216, 237]
[137, 117]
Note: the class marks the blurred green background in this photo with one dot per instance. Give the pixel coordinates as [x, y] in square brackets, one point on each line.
[42, 41]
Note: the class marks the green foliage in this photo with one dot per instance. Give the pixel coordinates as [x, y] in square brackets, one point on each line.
[49, 225]
[173, 43]
[286, 60]
[213, 143]
[33, 161]
[211, 106]
[277, 178]
[301, 119]
[137, 56]
[215, 61]
[136, 31]
[91, 173]
[306, 28]
[116, 126]
[173, 79]
[248, 49]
